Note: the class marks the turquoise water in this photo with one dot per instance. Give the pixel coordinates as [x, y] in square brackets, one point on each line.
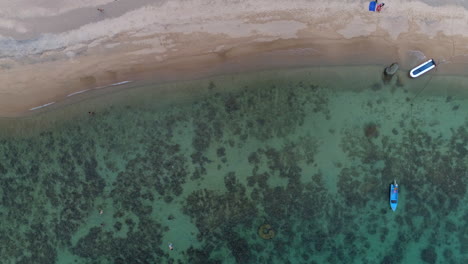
[288, 166]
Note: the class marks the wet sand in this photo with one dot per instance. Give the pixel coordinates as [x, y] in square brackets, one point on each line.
[49, 51]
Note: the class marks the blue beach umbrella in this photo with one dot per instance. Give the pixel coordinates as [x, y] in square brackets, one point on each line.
[372, 6]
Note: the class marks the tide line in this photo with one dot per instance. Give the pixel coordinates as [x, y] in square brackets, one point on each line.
[82, 91]
[41, 106]
[120, 83]
[114, 84]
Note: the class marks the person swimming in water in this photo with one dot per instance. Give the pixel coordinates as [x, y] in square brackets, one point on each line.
[171, 247]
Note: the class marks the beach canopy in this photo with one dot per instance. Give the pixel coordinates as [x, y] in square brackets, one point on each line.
[372, 6]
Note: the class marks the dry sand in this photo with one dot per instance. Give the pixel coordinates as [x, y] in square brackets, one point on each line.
[53, 48]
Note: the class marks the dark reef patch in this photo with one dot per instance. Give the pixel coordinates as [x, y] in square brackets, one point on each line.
[371, 130]
[118, 188]
[428, 255]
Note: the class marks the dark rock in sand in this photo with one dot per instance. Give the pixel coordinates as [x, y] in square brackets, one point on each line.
[391, 70]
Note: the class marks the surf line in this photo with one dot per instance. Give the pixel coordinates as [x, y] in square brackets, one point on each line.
[41, 106]
[120, 83]
[82, 91]
[114, 84]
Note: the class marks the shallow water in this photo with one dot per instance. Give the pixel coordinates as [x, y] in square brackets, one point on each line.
[210, 164]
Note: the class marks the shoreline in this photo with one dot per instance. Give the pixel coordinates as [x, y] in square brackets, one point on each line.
[270, 38]
[339, 79]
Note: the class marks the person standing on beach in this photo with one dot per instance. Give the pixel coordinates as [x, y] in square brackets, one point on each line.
[379, 7]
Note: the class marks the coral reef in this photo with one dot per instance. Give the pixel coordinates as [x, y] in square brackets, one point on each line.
[371, 130]
[265, 231]
[428, 255]
[248, 175]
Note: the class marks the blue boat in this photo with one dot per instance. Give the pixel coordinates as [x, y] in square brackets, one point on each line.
[422, 68]
[394, 195]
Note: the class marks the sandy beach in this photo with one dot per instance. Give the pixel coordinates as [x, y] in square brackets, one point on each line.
[233, 131]
[51, 50]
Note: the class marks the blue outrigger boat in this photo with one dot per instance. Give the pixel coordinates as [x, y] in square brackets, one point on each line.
[394, 195]
[422, 68]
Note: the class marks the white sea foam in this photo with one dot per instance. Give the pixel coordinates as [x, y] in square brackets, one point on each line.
[82, 91]
[99, 87]
[120, 83]
[41, 106]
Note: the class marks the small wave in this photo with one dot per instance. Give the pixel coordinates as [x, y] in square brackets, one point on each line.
[82, 91]
[114, 84]
[41, 106]
[120, 83]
